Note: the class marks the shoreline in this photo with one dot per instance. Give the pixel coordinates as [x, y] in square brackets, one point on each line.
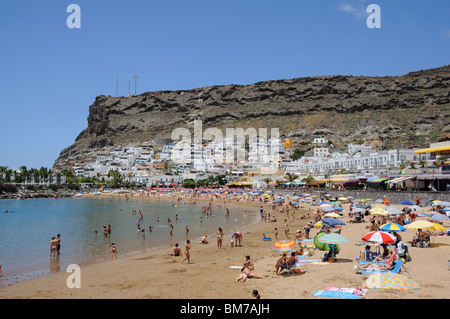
[155, 275]
[39, 273]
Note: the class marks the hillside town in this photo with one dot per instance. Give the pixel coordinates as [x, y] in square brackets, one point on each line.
[266, 164]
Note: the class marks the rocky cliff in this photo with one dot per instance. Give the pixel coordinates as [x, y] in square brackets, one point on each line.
[386, 112]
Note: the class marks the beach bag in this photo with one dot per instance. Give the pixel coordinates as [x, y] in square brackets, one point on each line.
[407, 257]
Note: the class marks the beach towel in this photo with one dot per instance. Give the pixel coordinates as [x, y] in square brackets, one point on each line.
[235, 267]
[311, 260]
[357, 291]
[334, 294]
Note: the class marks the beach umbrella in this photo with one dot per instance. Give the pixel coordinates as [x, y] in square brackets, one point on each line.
[333, 222]
[379, 237]
[333, 238]
[419, 224]
[394, 210]
[439, 217]
[378, 211]
[319, 223]
[320, 245]
[392, 227]
[343, 198]
[405, 202]
[285, 246]
[414, 207]
[308, 198]
[357, 210]
[379, 201]
[327, 208]
[335, 203]
[390, 281]
[437, 227]
[332, 215]
[446, 209]
[442, 204]
[323, 203]
[295, 203]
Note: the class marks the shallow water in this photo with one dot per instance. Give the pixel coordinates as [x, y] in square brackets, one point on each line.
[25, 233]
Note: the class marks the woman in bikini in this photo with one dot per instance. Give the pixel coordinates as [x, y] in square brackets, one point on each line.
[186, 252]
[247, 274]
[219, 236]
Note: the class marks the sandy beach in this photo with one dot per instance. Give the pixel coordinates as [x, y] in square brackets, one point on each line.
[156, 275]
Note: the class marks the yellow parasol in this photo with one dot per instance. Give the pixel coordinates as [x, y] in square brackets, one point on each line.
[436, 226]
[419, 224]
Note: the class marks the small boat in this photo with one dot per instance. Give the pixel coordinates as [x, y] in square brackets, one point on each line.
[9, 211]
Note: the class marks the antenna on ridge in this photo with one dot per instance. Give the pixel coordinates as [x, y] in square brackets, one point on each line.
[135, 83]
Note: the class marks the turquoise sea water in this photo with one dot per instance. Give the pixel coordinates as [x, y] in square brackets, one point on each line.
[25, 233]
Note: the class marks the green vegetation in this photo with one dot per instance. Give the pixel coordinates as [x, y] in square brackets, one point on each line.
[297, 153]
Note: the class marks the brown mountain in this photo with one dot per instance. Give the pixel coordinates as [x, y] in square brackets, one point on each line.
[387, 112]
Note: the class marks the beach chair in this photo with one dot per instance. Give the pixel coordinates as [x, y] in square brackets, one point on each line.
[396, 270]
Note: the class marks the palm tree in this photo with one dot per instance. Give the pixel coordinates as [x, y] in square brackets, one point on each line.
[308, 179]
[23, 174]
[290, 177]
[267, 180]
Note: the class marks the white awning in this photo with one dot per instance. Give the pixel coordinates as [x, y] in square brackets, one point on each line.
[400, 179]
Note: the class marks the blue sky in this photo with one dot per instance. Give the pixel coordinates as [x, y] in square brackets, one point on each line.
[50, 74]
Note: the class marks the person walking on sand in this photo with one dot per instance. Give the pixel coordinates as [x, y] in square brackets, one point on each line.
[219, 236]
[186, 252]
[53, 246]
[286, 228]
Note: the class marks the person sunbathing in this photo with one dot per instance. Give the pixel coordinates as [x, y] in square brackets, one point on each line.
[247, 274]
[176, 251]
[290, 262]
[248, 264]
[389, 265]
[281, 261]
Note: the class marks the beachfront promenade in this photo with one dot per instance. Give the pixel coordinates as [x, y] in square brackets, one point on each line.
[395, 197]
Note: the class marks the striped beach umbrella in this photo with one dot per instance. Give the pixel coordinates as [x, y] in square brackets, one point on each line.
[379, 237]
[285, 246]
[333, 238]
[392, 227]
[390, 281]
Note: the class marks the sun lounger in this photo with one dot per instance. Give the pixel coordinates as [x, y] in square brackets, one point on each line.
[396, 269]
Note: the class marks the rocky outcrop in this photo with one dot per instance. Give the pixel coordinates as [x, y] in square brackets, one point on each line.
[400, 111]
[38, 193]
